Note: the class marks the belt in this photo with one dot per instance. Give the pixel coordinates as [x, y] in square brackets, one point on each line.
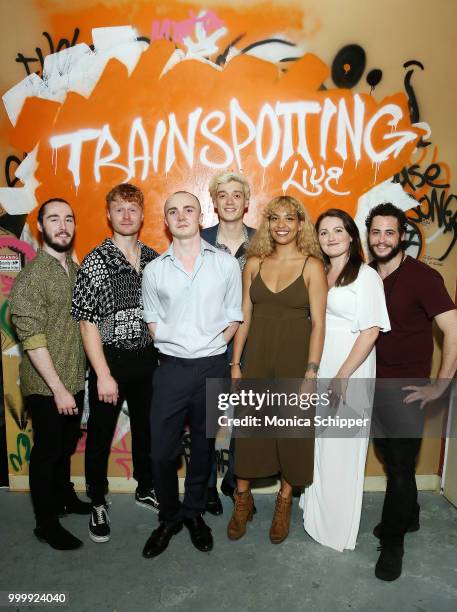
[192, 362]
[115, 351]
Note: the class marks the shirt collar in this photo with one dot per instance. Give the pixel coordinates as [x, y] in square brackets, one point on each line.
[42, 254]
[245, 235]
[204, 246]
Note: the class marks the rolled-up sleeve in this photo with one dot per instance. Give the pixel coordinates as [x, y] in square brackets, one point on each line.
[150, 297]
[232, 299]
[28, 312]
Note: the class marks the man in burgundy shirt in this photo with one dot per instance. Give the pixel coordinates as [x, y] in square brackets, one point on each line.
[415, 296]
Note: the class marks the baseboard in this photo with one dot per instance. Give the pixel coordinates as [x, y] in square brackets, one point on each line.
[425, 482]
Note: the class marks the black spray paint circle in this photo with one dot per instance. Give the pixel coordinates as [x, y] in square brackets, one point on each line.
[348, 66]
[374, 77]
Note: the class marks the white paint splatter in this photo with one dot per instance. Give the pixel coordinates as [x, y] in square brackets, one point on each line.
[21, 200]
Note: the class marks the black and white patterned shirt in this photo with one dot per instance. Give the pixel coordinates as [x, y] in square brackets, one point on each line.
[108, 293]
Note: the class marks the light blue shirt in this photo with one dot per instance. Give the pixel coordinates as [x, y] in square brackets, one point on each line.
[191, 311]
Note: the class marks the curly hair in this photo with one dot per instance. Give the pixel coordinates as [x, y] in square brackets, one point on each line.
[387, 209]
[262, 244]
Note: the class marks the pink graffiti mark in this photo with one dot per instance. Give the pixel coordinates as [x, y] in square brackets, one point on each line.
[121, 448]
[178, 30]
[11, 242]
[126, 461]
[81, 446]
[7, 285]
[126, 466]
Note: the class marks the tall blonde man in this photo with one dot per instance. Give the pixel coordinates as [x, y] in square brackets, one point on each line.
[230, 193]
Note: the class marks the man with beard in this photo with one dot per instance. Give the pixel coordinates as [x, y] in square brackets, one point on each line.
[52, 371]
[108, 304]
[415, 297]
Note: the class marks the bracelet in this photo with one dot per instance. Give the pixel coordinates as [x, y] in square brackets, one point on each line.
[234, 363]
[312, 366]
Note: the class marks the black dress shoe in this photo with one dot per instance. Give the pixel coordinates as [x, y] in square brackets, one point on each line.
[160, 538]
[57, 537]
[213, 502]
[389, 564]
[228, 491]
[200, 533]
[413, 526]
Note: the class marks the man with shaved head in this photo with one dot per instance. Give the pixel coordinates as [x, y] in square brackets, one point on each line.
[192, 305]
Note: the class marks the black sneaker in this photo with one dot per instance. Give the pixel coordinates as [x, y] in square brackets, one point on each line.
[99, 529]
[147, 499]
[390, 560]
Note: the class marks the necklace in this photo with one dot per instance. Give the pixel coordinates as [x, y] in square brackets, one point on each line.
[138, 251]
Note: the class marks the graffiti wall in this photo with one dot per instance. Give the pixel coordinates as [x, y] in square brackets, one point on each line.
[340, 107]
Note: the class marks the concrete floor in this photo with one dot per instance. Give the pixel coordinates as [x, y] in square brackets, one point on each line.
[251, 574]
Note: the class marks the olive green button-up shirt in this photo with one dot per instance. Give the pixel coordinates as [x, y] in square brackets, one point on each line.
[40, 304]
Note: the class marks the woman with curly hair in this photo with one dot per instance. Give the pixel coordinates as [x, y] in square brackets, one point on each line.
[284, 297]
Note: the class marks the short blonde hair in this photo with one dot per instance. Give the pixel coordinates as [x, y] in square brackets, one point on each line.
[228, 177]
[262, 244]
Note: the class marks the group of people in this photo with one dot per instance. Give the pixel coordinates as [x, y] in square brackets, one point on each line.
[290, 300]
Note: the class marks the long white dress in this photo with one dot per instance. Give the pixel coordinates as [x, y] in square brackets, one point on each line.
[332, 504]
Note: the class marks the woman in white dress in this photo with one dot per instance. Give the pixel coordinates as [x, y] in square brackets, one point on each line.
[356, 312]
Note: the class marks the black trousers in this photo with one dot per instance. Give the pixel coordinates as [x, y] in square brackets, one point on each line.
[400, 503]
[229, 476]
[55, 437]
[179, 398]
[400, 426]
[133, 370]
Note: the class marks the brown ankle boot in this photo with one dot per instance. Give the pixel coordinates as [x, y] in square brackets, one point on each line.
[242, 513]
[279, 529]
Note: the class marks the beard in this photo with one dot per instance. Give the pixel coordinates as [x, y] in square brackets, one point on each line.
[385, 258]
[60, 248]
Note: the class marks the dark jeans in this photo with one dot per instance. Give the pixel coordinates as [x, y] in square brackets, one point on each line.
[133, 370]
[55, 437]
[395, 420]
[179, 398]
[400, 503]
